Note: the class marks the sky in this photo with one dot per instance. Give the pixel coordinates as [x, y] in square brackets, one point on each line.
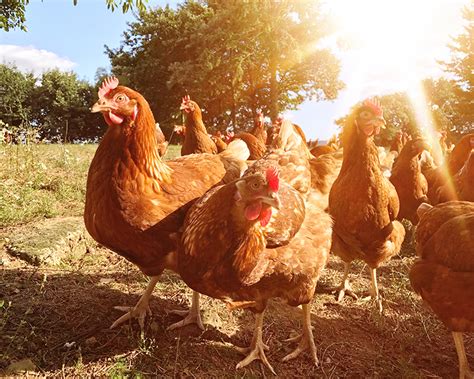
[393, 44]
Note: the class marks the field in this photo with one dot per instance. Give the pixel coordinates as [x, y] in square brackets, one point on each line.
[56, 317]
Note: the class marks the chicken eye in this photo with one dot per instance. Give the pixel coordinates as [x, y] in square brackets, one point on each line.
[120, 98]
[365, 115]
[255, 185]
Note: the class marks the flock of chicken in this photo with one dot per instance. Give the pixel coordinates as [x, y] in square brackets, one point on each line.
[245, 231]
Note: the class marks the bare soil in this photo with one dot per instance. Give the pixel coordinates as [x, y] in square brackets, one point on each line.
[59, 317]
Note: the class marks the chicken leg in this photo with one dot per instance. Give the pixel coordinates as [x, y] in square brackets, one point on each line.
[374, 291]
[345, 286]
[306, 339]
[464, 370]
[257, 347]
[193, 316]
[141, 309]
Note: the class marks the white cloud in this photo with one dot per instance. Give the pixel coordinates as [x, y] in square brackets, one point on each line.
[31, 59]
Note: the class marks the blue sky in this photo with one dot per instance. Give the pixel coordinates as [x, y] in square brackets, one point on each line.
[387, 53]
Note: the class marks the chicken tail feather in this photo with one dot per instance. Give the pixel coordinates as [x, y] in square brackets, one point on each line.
[236, 150]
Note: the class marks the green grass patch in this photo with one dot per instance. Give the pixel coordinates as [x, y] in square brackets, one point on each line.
[42, 181]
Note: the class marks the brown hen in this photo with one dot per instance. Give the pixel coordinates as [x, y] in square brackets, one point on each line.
[196, 139]
[442, 179]
[238, 266]
[259, 128]
[362, 202]
[256, 147]
[410, 183]
[135, 202]
[444, 273]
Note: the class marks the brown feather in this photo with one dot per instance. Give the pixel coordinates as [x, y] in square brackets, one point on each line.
[444, 274]
[134, 201]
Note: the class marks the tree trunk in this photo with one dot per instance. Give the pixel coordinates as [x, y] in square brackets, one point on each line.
[273, 89]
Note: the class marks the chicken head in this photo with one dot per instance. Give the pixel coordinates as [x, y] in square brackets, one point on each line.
[257, 194]
[116, 103]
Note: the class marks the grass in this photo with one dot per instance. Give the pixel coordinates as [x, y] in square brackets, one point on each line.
[59, 316]
[42, 181]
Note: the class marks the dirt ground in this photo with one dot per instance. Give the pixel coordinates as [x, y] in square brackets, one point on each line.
[59, 318]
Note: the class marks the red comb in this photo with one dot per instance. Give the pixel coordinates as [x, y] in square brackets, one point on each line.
[374, 105]
[107, 85]
[273, 179]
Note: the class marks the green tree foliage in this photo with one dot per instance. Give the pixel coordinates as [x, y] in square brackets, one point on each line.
[150, 46]
[12, 12]
[15, 96]
[57, 104]
[231, 57]
[461, 66]
[61, 107]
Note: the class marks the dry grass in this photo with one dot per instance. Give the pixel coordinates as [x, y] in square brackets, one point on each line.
[59, 317]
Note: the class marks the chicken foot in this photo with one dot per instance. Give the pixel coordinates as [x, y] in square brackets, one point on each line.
[141, 309]
[464, 370]
[374, 290]
[193, 316]
[257, 347]
[345, 287]
[306, 339]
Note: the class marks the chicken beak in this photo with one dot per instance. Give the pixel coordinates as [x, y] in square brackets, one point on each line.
[273, 200]
[100, 106]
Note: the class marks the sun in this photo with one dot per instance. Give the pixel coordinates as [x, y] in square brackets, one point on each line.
[391, 45]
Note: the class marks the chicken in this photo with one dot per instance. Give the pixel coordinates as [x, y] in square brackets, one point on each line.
[362, 202]
[196, 139]
[386, 159]
[444, 273]
[410, 183]
[442, 179]
[460, 153]
[135, 202]
[259, 128]
[321, 150]
[397, 143]
[462, 185]
[162, 143]
[276, 129]
[324, 171]
[240, 267]
[220, 144]
[256, 147]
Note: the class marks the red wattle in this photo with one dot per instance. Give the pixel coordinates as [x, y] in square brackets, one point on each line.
[252, 211]
[265, 216]
[115, 119]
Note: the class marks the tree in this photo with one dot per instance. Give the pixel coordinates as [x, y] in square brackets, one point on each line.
[231, 57]
[461, 67]
[15, 96]
[150, 46]
[260, 55]
[61, 107]
[12, 12]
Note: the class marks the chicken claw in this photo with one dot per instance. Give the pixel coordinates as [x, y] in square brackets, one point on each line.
[306, 339]
[193, 316]
[345, 287]
[140, 310]
[257, 347]
[374, 291]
